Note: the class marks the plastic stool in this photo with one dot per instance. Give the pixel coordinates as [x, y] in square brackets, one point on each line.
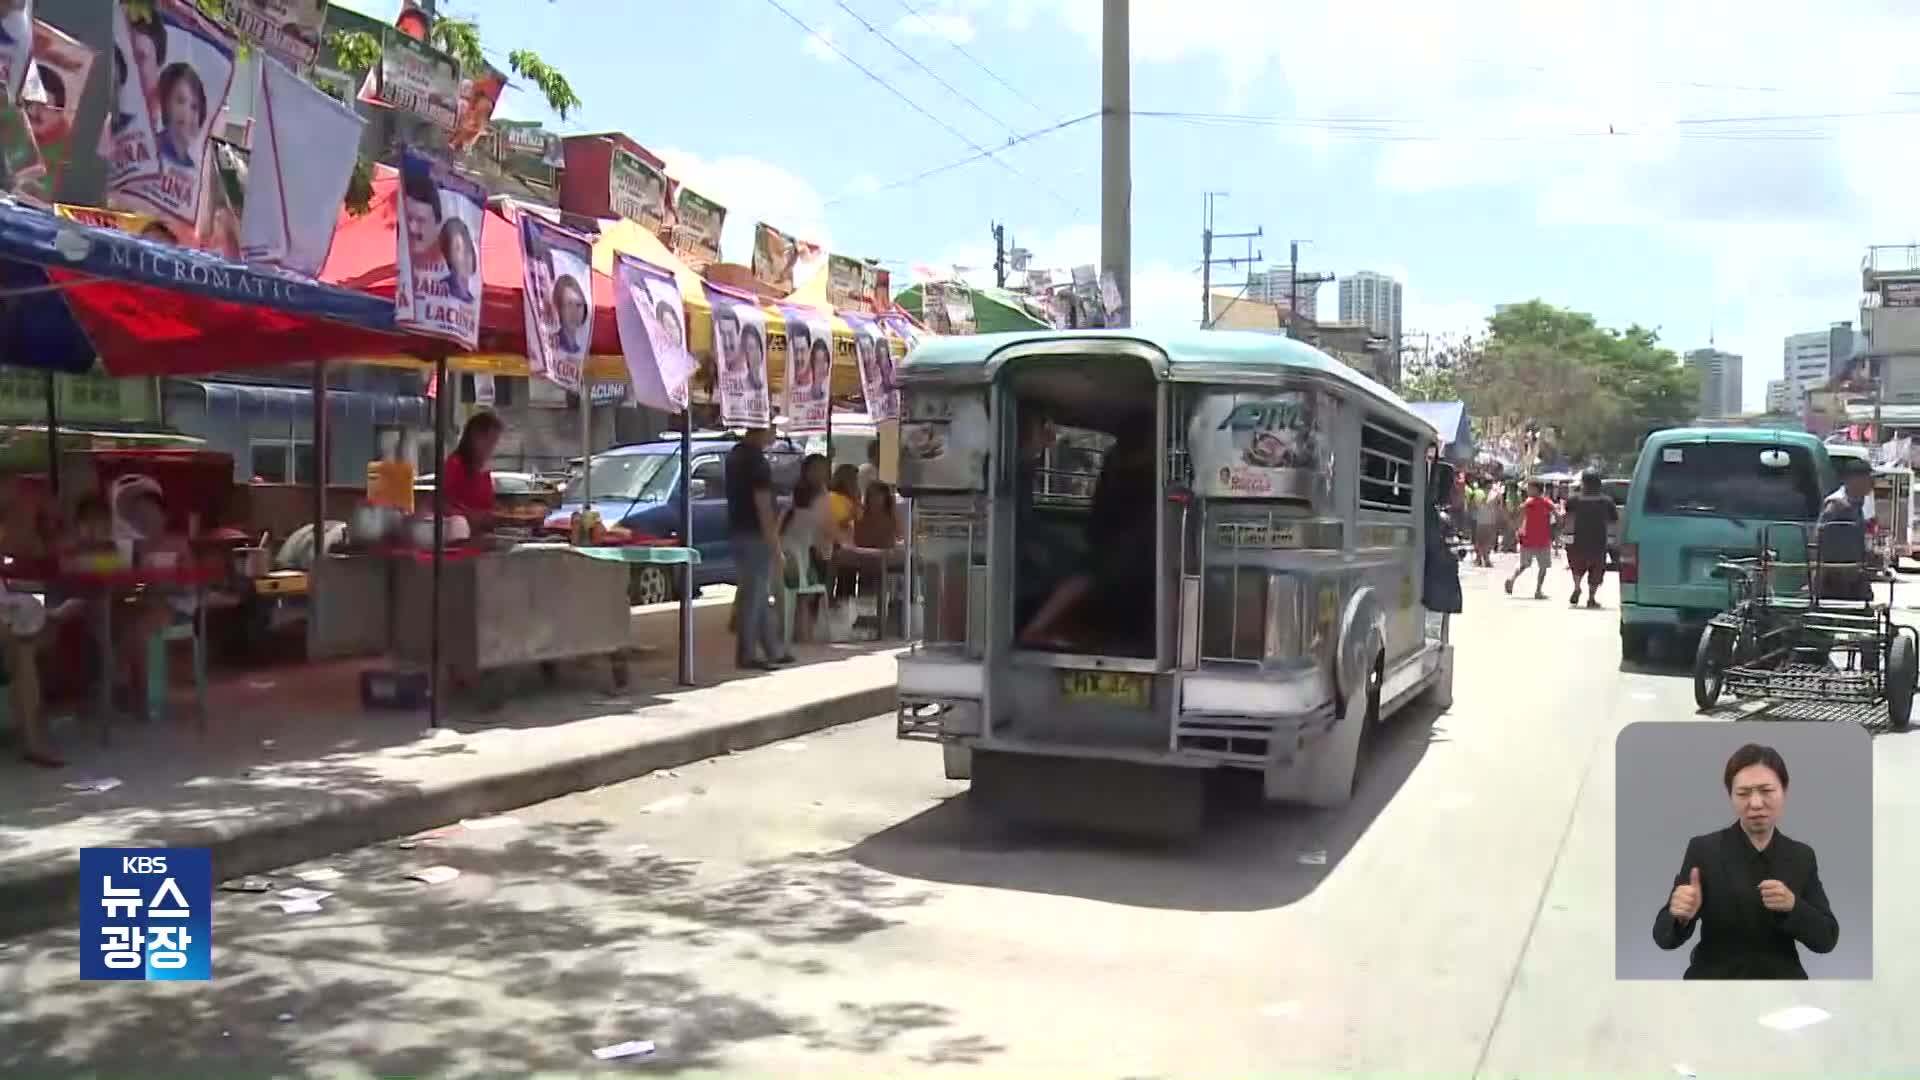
[158, 669]
[789, 599]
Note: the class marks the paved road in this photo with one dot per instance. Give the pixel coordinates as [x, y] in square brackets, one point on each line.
[829, 906]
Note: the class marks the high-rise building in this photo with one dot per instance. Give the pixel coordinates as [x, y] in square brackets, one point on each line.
[1276, 287]
[1720, 382]
[1782, 397]
[1373, 299]
[1809, 361]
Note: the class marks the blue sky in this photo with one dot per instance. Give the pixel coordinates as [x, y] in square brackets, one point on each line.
[1707, 168]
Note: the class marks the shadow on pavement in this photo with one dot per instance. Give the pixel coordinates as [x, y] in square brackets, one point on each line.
[1251, 856]
[555, 939]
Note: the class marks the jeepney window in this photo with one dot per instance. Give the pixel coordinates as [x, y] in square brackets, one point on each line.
[1261, 444]
[945, 437]
[1387, 456]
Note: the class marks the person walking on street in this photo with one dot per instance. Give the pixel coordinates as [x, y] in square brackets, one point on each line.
[1592, 513]
[1536, 539]
[1484, 518]
[754, 532]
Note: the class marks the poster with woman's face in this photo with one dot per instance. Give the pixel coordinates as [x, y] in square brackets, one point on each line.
[558, 286]
[51, 100]
[809, 368]
[438, 258]
[740, 347]
[876, 366]
[16, 46]
[652, 336]
[126, 139]
[190, 62]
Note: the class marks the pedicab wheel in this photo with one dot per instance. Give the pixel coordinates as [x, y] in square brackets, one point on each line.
[1902, 668]
[1710, 667]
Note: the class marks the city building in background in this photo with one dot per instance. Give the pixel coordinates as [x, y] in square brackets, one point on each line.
[1280, 288]
[1810, 361]
[1782, 397]
[1720, 375]
[1374, 300]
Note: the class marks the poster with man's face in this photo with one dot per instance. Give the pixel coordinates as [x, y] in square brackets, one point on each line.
[16, 46]
[558, 286]
[809, 368]
[740, 348]
[126, 139]
[438, 262]
[875, 357]
[192, 63]
[50, 100]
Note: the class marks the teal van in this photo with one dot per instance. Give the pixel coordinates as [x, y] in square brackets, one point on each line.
[1700, 495]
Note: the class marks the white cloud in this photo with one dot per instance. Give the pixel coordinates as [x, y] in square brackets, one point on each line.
[953, 27]
[821, 45]
[753, 191]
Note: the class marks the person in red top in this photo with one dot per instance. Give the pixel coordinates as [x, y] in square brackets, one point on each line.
[469, 483]
[1536, 539]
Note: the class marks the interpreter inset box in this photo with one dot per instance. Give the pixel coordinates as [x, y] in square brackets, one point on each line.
[1743, 851]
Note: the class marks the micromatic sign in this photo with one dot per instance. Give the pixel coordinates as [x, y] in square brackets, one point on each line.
[1264, 416]
[158, 267]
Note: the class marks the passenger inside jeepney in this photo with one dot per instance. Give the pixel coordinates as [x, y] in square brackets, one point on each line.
[1108, 607]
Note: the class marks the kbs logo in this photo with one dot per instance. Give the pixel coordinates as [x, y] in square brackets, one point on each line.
[146, 913]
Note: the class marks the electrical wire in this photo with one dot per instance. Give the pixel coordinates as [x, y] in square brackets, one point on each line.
[915, 61]
[970, 159]
[1727, 128]
[956, 47]
[914, 105]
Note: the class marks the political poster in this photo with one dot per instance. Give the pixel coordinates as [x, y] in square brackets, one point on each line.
[51, 101]
[809, 368]
[16, 47]
[18, 152]
[416, 78]
[849, 284]
[875, 356]
[696, 232]
[195, 61]
[638, 191]
[305, 146]
[903, 328]
[126, 139]
[438, 259]
[740, 349]
[782, 261]
[653, 337]
[288, 30]
[479, 94]
[558, 288]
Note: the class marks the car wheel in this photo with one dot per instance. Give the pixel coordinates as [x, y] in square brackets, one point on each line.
[650, 585]
[1902, 669]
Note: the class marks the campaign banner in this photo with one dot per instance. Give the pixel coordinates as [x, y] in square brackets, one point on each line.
[133, 107]
[305, 146]
[875, 355]
[653, 337]
[637, 190]
[782, 261]
[16, 47]
[187, 96]
[438, 262]
[19, 154]
[607, 393]
[903, 328]
[415, 77]
[740, 351]
[809, 368]
[880, 285]
[696, 230]
[51, 101]
[479, 94]
[849, 284]
[289, 30]
[558, 291]
[146, 914]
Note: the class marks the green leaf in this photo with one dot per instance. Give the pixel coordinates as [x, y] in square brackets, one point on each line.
[460, 39]
[553, 85]
[355, 50]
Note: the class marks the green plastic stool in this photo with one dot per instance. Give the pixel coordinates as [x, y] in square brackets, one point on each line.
[158, 669]
[789, 599]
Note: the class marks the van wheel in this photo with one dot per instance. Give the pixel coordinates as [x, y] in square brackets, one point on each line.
[1633, 644]
[650, 585]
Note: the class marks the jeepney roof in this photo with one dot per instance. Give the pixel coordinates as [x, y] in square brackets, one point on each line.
[1190, 354]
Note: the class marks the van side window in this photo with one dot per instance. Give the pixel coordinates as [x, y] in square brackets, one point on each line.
[712, 470]
[1387, 456]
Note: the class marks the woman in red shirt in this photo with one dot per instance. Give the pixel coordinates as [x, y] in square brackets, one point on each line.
[465, 474]
[1536, 538]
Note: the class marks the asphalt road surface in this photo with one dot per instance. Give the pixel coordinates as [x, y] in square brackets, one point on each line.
[832, 906]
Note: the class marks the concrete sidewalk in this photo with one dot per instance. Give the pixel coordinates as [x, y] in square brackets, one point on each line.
[292, 768]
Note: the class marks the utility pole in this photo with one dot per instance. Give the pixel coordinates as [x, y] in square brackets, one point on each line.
[1294, 281]
[1116, 154]
[1000, 255]
[1208, 262]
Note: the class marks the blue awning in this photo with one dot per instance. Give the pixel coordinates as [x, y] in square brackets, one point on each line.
[254, 401]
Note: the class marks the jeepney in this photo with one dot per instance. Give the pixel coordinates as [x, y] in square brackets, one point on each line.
[1283, 617]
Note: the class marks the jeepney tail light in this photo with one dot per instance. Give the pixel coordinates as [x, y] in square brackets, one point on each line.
[1629, 564]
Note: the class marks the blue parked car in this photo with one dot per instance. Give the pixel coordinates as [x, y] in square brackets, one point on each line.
[637, 487]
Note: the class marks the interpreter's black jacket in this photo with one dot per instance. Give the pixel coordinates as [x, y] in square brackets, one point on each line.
[1741, 939]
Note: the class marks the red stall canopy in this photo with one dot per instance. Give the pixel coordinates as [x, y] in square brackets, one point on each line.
[365, 251]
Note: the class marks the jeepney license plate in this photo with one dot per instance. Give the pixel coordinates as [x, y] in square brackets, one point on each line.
[1106, 687]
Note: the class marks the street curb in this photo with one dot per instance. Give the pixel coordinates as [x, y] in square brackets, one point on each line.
[48, 896]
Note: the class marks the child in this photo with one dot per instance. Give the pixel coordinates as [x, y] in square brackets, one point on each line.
[1536, 538]
[141, 513]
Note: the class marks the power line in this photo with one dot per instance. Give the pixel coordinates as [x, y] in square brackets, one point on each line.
[915, 106]
[1400, 130]
[968, 160]
[915, 61]
[956, 47]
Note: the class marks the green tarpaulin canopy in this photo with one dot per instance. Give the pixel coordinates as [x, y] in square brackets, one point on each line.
[994, 310]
